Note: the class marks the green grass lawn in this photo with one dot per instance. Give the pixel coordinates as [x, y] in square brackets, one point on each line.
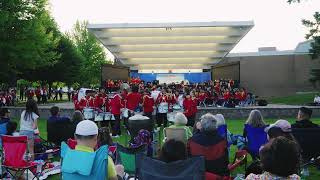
[297, 99]
[234, 126]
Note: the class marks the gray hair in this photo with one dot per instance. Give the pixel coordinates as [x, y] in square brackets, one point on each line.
[255, 119]
[208, 123]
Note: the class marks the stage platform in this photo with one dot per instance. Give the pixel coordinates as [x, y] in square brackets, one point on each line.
[275, 111]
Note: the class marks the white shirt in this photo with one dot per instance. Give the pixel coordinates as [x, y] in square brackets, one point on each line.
[28, 124]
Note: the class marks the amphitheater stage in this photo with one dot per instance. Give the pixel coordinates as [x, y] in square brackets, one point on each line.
[273, 111]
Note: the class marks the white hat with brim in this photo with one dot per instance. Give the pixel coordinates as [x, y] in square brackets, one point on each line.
[86, 128]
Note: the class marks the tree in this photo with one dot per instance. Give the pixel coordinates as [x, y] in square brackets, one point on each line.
[27, 37]
[66, 69]
[92, 52]
[313, 34]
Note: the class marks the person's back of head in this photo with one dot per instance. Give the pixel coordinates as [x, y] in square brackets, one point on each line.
[220, 119]
[180, 119]
[4, 112]
[77, 116]
[304, 113]
[280, 157]
[31, 107]
[11, 128]
[54, 110]
[173, 150]
[255, 119]
[86, 133]
[208, 123]
[275, 132]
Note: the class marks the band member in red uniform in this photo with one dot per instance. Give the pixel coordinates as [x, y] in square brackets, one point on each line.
[163, 106]
[100, 100]
[133, 99]
[147, 104]
[115, 106]
[87, 101]
[171, 100]
[190, 109]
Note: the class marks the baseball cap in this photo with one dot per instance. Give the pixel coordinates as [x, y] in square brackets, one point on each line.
[284, 125]
[86, 128]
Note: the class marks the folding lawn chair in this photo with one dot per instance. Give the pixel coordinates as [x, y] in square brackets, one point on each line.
[256, 137]
[128, 158]
[153, 169]
[14, 153]
[178, 134]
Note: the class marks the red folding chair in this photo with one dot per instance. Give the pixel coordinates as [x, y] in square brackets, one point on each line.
[240, 158]
[14, 153]
[72, 143]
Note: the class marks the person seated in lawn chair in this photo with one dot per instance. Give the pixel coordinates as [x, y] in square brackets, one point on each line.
[90, 164]
[143, 138]
[254, 133]
[55, 116]
[208, 143]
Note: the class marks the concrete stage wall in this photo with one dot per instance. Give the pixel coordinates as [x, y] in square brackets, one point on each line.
[229, 113]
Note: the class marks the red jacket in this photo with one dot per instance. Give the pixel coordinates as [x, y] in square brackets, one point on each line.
[133, 100]
[148, 104]
[188, 107]
[98, 101]
[226, 96]
[116, 105]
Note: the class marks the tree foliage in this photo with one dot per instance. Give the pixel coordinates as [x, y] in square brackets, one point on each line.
[28, 37]
[93, 54]
[313, 34]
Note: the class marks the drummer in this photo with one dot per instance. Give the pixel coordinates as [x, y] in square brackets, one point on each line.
[170, 99]
[133, 99]
[101, 100]
[147, 104]
[115, 106]
[87, 101]
[162, 100]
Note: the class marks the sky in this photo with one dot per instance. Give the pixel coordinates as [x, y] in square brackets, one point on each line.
[277, 23]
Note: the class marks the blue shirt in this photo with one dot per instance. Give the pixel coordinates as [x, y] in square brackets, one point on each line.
[4, 120]
[58, 119]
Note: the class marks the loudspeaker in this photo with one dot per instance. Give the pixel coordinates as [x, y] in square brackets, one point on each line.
[262, 102]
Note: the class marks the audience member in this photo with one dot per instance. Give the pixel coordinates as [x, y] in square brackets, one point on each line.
[4, 115]
[211, 145]
[180, 121]
[12, 129]
[55, 115]
[280, 159]
[254, 133]
[77, 116]
[303, 119]
[86, 135]
[29, 123]
[173, 150]
[279, 128]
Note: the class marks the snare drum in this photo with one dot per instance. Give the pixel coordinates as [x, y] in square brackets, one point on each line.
[171, 116]
[108, 116]
[88, 113]
[99, 117]
[176, 107]
[163, 107]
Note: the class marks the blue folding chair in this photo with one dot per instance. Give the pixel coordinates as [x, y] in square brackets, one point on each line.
[255, 138]
[153, 169]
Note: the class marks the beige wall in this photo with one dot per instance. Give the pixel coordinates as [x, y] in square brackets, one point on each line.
[275, 75]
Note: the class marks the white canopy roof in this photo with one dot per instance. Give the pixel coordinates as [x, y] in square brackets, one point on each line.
[196, 45]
